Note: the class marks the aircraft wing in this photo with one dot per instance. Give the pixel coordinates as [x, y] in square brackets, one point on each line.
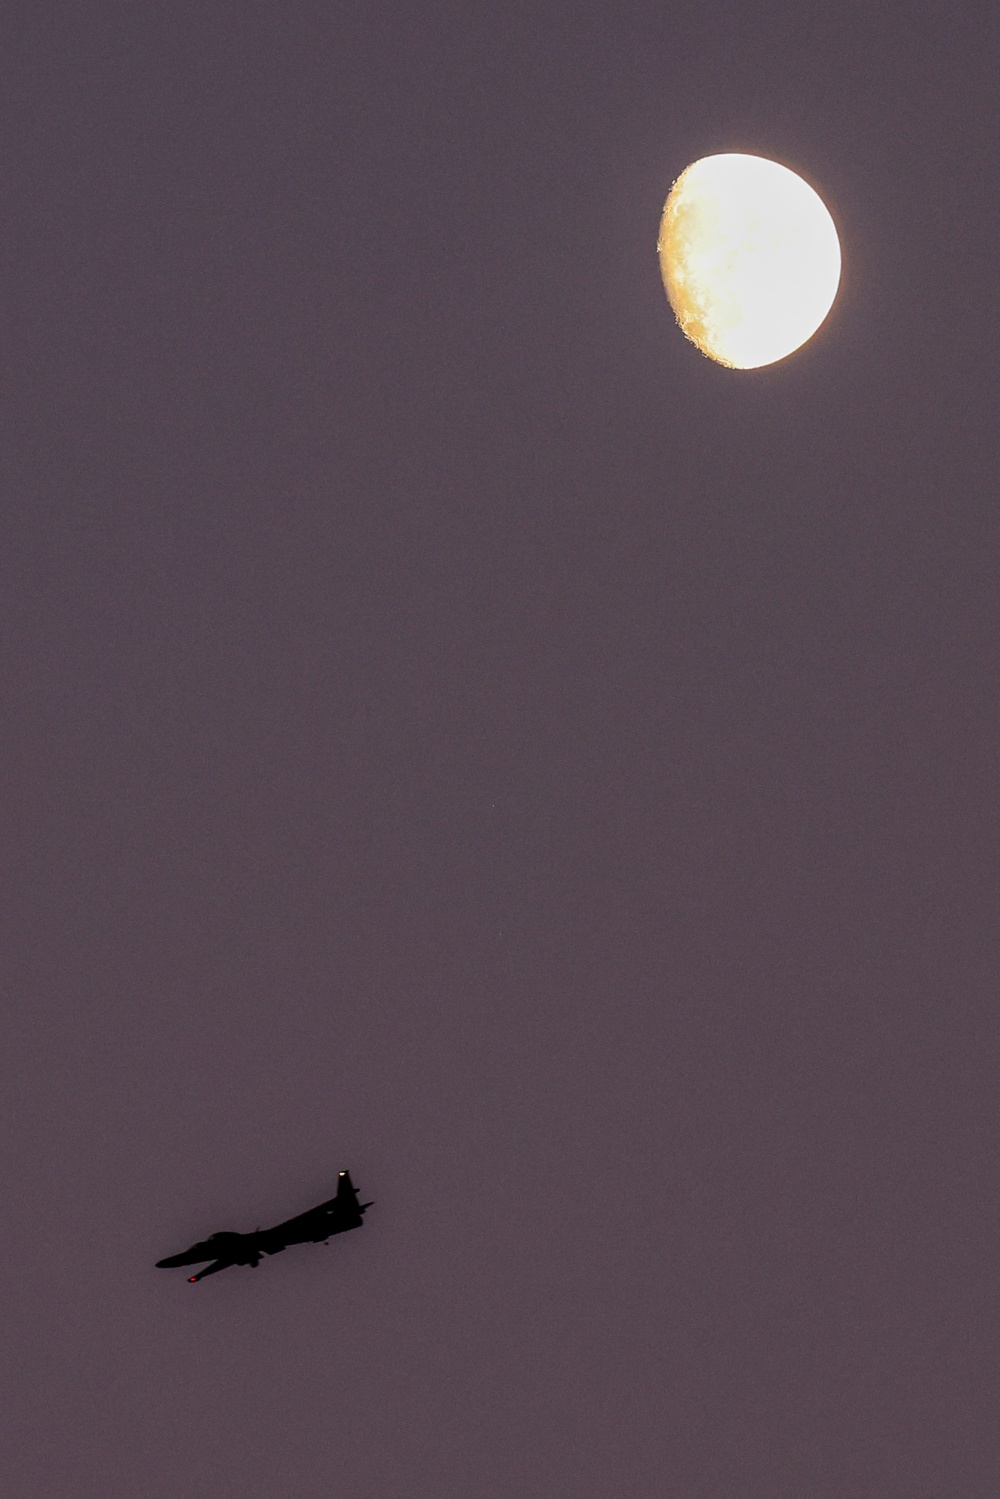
[210, 1270]
[193, 1256]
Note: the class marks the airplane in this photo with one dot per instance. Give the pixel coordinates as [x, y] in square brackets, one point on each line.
[319, 1224]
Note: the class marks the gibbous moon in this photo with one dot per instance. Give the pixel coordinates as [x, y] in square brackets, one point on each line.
[750, 259]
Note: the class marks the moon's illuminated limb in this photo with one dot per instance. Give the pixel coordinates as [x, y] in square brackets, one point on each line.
[750, 259]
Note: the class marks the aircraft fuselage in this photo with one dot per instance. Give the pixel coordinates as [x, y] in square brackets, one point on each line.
[336, 1216]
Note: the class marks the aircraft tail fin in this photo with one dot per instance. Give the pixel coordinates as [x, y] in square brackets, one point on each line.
[346, 1190]
[347, 1201]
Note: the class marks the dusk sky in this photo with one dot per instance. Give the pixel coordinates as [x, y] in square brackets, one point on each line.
[454, 731]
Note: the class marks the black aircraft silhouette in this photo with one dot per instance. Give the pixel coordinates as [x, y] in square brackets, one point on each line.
[319, 1224]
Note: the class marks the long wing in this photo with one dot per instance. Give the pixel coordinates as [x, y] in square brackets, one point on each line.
[193, 1256]
[210, 1270]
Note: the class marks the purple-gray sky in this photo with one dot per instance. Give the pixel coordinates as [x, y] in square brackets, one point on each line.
[453, 730]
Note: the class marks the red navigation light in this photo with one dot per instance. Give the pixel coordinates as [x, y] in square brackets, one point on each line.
[192, 1279]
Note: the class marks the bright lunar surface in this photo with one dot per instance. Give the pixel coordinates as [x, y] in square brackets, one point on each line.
[750, 259]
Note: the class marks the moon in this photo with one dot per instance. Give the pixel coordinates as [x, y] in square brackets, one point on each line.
[750, 259]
